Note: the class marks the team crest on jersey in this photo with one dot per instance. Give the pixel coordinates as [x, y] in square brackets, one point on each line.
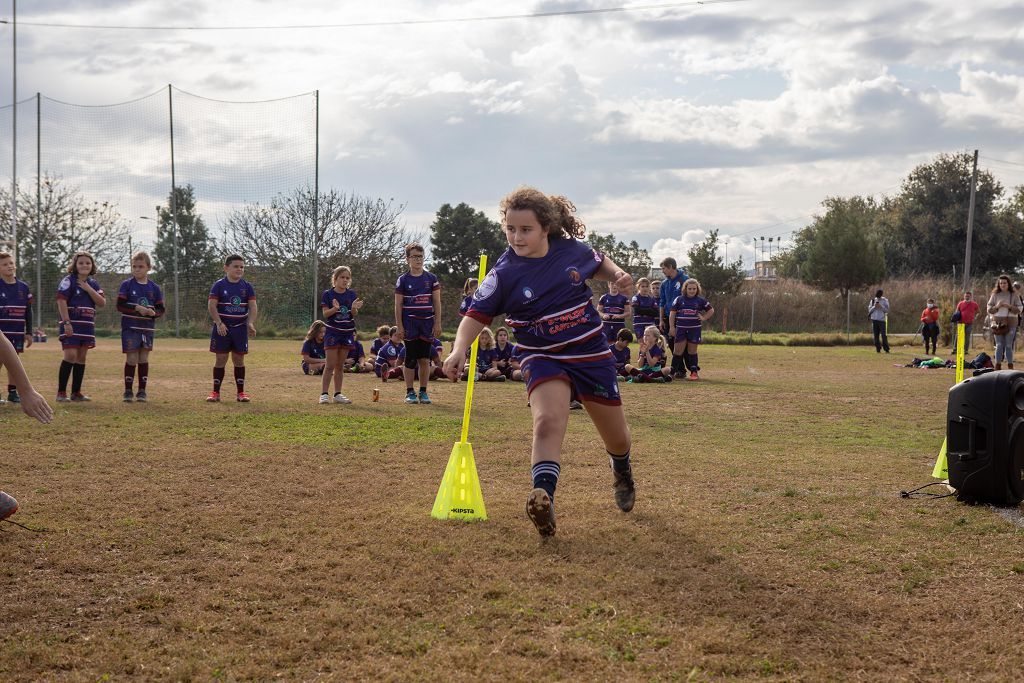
[343, 310]
[236, 300]
[575, 279]
[143, 301]
[488, 287]
[65, 284]
[527, 293]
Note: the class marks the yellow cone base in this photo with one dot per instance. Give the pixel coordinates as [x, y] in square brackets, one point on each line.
[459, 496]
[941, 469]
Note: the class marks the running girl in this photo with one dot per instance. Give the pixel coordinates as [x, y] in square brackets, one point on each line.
[540, 283]
[140, 302]
[688, 312]
[339, 306]
[313, 354]
[78, 297]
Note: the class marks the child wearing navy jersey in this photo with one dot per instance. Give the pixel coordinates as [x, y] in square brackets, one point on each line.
[620, 351]
[436, 349]
[540, 284]
[314, 358]
[339, 305]
[467, 295]
[418, 319]
[689, 311]
[357, 360]
[650, 362]
[614, 308]
[78, 297]
[386, 366]
[232, 306]
[383, 337]
[140, 302]
[503, 353]
[15, 314]
[645, 308]
[486, 359]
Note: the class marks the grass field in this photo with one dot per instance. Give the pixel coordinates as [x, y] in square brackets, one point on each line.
[188, 541]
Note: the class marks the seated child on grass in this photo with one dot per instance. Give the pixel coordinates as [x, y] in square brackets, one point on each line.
[313, 354]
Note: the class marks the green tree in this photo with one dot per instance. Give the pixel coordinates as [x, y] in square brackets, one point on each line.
[198, 261]
[715, 275]
[630, 257]
[843, 253]
[923, 229]
[458, 236]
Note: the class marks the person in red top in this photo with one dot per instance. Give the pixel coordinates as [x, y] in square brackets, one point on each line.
[968, 309]
[930, 325]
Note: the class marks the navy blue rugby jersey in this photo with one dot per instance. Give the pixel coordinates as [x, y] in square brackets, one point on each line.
[546, 301]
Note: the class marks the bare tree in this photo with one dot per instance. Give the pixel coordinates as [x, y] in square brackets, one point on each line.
[280, 241]
[67, 223]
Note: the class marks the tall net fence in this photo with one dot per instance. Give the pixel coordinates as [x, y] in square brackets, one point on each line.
[99, 179]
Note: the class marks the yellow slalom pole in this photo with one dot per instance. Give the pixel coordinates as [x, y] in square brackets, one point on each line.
[472, 365]
[941, 468]
[459, 495]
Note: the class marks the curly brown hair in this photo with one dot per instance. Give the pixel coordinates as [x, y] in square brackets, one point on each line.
[553, 212]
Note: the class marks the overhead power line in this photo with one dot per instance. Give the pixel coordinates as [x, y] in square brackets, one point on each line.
[397, 22]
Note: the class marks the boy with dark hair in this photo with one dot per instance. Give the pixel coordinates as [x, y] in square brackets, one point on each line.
[418, 319]
[232, 305]
[15, 314]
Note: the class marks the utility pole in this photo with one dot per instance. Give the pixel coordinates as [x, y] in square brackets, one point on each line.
[14, 128]
[970, 225]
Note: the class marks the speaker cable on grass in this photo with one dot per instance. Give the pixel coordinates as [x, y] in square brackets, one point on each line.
[927, 495]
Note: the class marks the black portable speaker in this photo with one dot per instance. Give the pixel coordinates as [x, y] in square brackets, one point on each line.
[985, 438]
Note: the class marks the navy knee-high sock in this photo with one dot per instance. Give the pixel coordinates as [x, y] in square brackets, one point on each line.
[545, 476]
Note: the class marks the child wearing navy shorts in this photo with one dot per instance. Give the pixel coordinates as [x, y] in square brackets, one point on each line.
[689, 311]
[232, 306]
[386, 366]
[645, 308]
[614, 308]
[418, 319]
[540, 284]
[314, 358]
[140, 302]
[78, 297]
[339, 305]
[15, 314]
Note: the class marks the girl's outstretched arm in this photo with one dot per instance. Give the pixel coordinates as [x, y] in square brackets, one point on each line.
[609, 272]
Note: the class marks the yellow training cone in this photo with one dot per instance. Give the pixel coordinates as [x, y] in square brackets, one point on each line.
[941, 469]
[459, 496]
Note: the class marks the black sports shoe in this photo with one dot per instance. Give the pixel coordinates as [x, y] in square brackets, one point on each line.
[13, 396]
[575, 405]
[127, 397]
[141, 397]
[625, 490]
[541, 511]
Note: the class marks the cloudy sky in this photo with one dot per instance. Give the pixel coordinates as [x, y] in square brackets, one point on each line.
[659, 123]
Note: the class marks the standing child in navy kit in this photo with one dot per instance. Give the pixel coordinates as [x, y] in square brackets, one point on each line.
[614, 308]
[78, 297]
[140, 302]
[688, 312]
[15, 314]
[418, 319]
[339, 305]
[540, 284]
[232, 305]
[645, 308]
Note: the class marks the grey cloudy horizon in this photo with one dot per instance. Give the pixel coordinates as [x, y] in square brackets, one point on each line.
[659, 124]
